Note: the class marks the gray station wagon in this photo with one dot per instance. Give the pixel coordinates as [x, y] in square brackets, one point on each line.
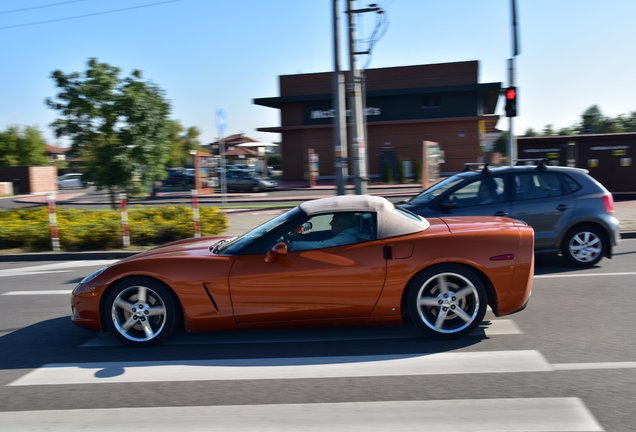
[569, 210]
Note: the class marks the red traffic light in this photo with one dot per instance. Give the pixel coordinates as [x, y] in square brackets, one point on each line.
[510, 93]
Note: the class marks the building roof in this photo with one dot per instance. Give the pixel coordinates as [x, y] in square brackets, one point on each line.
[232, 140]
[56, 150]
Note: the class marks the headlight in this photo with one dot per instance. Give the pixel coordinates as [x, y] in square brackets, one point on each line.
[93, 275]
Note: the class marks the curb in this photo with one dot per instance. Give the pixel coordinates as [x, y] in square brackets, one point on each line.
[67, 256]
[203, 199]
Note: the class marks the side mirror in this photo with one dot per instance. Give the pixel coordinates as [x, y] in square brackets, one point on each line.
[448, 205]
[307, 226]
[279, 249]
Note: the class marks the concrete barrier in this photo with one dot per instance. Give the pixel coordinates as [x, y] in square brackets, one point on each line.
[6, 189]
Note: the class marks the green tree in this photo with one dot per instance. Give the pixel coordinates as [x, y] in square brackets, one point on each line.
[627, 122]
[117, 126]
[32, 147]
[567, 131]
[182, 143]
[548, 130]
[9, 141]
[531, 133]
[592, 121]
[22, 147]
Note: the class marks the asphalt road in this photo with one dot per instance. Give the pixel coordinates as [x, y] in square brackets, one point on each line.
[566, 363]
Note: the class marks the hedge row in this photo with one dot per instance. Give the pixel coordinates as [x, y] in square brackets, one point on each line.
[101, 229]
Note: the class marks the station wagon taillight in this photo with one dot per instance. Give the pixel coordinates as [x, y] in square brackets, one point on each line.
[608, 202]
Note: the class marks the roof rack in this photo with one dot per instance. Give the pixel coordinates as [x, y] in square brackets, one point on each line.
[484, 170]
[540, 162]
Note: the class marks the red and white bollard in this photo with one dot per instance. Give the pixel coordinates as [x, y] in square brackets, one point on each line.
[55, 237]
[123, 208]
[195, 213]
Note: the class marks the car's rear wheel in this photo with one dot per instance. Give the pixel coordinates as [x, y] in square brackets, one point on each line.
[140, 311]
[584, 246]
[447, 301]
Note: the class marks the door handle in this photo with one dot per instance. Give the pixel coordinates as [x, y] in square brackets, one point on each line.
[501, 213]
[562, 207]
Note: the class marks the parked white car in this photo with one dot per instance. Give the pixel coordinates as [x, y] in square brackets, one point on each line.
[70, 180]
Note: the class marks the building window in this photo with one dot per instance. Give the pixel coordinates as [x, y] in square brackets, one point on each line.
[430, 101]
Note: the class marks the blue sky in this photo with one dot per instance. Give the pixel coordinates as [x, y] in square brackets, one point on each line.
[210, 54]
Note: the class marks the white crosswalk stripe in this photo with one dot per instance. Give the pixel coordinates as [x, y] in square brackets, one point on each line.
[487, 415]
[288, 368]
[61, 267]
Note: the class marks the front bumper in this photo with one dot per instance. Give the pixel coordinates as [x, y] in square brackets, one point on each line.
[85, 302]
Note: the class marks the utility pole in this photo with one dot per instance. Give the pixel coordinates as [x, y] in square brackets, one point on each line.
[340, 109]
[512, 145]
[358, 125]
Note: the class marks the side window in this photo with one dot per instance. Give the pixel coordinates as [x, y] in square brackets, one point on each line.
[570, 184]
[533, 185]
[332, 229]
[486, 190]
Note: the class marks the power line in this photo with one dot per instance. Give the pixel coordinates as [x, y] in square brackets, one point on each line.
[87, 15]
[39, 7]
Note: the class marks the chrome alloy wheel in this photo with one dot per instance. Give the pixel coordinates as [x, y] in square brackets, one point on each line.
[448, 303]
[585, 246]
[138, 313]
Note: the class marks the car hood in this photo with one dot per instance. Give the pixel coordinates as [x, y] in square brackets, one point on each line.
[180, 248]
[476, 223]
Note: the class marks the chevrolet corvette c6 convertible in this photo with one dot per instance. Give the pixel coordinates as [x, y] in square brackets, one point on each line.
[344, 259]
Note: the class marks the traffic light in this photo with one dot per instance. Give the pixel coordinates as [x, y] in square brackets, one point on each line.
[511, 101]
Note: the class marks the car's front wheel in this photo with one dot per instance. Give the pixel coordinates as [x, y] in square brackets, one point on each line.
[140, 311]
[584, 246]
[447, 301]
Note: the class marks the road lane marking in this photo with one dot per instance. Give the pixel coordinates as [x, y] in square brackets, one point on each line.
[591, 366]
[54, 268]
[485, 415]
[32, 273]
[584, 275]
[42, 292]
[495, 327]
[288, 368]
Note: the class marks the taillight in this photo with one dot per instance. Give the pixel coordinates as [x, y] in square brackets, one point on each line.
[608, 202]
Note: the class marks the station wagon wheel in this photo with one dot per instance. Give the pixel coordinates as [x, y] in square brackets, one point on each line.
[447, 301]
[140, 311]
[584, 246]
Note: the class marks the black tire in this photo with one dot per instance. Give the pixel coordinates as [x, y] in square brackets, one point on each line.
[437, 314]
[140, 322]
[584, 246]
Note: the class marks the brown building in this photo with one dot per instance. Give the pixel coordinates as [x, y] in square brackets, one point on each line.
[608, 157]
[404, 107]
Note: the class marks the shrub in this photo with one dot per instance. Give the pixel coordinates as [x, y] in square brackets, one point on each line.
[101, 229]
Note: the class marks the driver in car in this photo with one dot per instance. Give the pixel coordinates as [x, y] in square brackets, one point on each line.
[343, 231]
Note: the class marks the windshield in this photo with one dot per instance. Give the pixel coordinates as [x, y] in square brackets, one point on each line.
[436, 190]
[232, 246]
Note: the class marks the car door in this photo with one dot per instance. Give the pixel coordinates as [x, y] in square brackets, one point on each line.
[471, 199]
[539, 199]
[332, 282]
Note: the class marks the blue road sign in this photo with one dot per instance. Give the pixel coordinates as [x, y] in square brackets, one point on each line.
[221, 121]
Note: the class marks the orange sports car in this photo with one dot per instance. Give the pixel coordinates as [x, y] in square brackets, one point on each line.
[349, 258]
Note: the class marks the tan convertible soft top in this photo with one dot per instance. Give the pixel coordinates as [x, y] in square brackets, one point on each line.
[391, 222]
